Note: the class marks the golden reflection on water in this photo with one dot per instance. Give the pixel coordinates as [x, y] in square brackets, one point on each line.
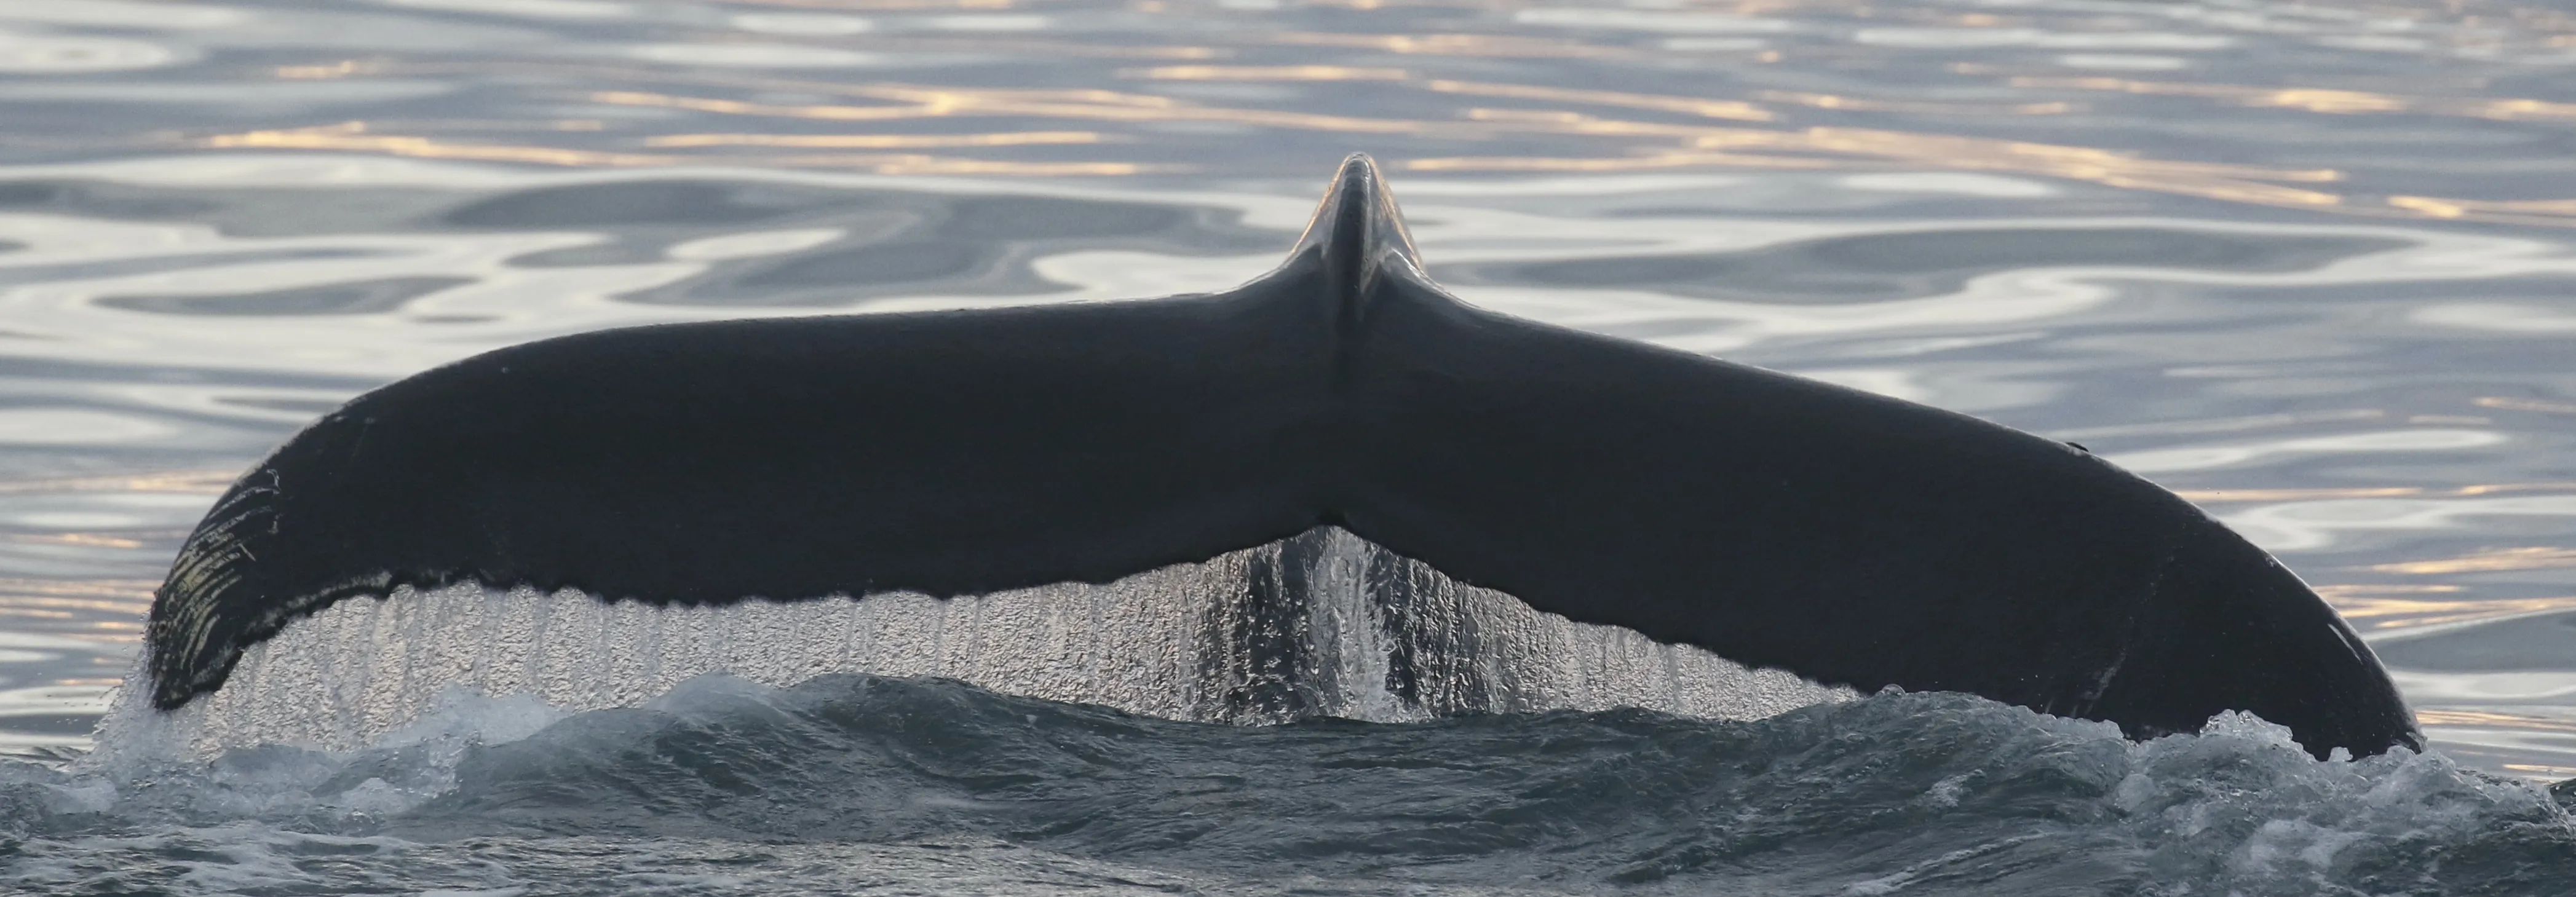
[1489, 45]
[924, 102]
[2235, 183]
[879, 141]
[2213, 496]
[82, 540]
[1026, 47]
[1724, 109]
[1269, 73]
[2508, 403]
[1700, 146]
[2364, 607]
[2495, 559]
[1665, 161]
[2544, 772]
[1706, 145]
[927, 165]
[876, 5]
[2320, 100]
[342, 69]
[2219, 496]
[1559, 129]
[124, 600]
[2547, 212]
[196, 482]
[355, 137]
[1844, 103]
[2494, 720]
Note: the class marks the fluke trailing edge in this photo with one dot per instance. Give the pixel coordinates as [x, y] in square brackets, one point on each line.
[1779, 522]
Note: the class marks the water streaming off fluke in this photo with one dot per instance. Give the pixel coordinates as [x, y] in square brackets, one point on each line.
[1323, 624]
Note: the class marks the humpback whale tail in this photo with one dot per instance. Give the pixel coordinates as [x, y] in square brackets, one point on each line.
[1845, 537]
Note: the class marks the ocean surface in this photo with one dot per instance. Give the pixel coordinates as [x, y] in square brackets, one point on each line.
[2310, 265]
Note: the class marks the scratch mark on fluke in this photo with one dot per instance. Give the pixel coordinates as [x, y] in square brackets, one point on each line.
[1847, 537]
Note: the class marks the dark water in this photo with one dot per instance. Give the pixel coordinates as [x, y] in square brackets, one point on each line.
[851, 784]
[2308, 264]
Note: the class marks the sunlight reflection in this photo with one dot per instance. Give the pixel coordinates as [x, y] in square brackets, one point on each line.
[2495, 720]
[2500, 317]
[82, 540]
[1498, 46]
[2208, 457]
[2319, 525]
[40, 54]
[1102, 105]
[2372, 614]
[2332, 102]
[2532, 687]
[1630, 145]
[353, 136]
[2547, 212]
[202, 482]
[781, 56]
[124, 14]
[540, 9]
[751, 244]
[1654, 21]
[802, 24]
[78, 426]
[1852, 104]
[2530, 558]
[879, 5]
[1725, 109]
[2508, 403]
[877, 141]
[2212, 180]
[1270, 73]
[124, 593]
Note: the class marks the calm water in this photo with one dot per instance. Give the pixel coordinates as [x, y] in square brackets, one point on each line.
[2310, 265]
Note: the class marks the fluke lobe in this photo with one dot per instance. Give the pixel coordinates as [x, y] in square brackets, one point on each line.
[1844, 536]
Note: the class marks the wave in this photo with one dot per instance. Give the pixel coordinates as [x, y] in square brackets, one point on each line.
[913, 783]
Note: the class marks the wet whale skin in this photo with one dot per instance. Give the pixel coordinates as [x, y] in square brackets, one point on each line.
[1847, 537]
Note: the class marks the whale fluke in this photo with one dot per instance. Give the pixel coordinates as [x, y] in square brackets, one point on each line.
[1846, 537]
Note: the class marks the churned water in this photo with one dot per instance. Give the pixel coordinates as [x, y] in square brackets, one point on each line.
[2306, 263]
[858, 784]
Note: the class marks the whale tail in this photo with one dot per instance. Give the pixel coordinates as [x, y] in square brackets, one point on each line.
[1779, 522]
